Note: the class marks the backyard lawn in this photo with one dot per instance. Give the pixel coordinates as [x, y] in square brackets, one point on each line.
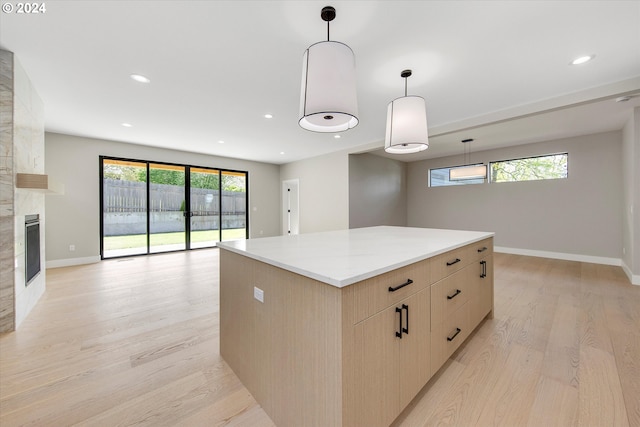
[176, 238]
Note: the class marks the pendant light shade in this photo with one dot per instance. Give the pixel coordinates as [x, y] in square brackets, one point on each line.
[406, 124]
[328, 101]
[468, 172]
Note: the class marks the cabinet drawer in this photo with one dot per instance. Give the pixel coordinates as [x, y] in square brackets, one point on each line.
[481, 249]
[447, 336]
[449, 294]
[374, 295]
[449, 262]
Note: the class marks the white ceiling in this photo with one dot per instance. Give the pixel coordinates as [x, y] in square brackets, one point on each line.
[216, 67]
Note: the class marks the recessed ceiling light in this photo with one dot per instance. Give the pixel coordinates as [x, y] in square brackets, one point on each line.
[220, 141]
[127, 125]
[268, 116]
[582, 59]
[282, 152]
[336, 136]
[140, 78]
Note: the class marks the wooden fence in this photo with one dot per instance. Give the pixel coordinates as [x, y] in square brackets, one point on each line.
[130, 196]
[125, 212]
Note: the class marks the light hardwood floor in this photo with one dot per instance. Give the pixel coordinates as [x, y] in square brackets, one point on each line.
[135, 342]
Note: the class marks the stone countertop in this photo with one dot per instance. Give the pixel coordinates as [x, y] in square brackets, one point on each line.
[341, 258]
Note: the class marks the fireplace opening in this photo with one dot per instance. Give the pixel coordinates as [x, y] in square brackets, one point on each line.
[32, 247]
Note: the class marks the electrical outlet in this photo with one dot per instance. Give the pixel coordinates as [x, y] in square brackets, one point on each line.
[258, 294]
[72, 248]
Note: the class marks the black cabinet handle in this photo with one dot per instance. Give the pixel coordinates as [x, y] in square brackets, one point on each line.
[484, 248]
[484, 269]
[457, 260]
[458, 330]
[406, 329]
[399, 331]
[455, 294]
[408, 282]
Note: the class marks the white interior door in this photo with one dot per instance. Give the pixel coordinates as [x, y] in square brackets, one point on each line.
[290, 207]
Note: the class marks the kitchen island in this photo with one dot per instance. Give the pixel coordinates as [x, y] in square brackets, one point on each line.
[344, 328]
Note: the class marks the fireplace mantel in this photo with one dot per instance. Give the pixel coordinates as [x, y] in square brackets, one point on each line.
[38, 182]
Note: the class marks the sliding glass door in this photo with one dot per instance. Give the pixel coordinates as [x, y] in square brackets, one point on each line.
[234, 205]
[152, 207]
[166, 208]
[205, 207]
[124, 208]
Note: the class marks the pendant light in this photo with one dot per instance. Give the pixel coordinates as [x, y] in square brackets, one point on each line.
[406, 123]
[468, 171]
[328, 100]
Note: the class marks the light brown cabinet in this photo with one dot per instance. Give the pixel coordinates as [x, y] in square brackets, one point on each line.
[461, 298]
[315, 354]
[388, 360]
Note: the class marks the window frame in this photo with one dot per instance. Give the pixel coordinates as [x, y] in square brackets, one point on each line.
[490, 174]
[472, 181]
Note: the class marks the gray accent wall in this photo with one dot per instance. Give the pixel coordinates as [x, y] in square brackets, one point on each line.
[579, 215]
[74, 218]
[377, 191]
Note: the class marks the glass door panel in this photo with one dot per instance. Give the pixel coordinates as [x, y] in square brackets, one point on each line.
[234, 205]
[124, 208]
[205, 207]
[167, 208]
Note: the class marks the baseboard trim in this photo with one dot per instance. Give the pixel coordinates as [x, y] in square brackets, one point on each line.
[68, 262]
[560, 255]
[633, 278]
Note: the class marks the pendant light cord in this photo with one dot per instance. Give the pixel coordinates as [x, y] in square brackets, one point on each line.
[328, 30]
[405, 86]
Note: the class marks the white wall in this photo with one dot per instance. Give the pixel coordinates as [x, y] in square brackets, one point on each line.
[74, 218]
[323, 191]
[631, 196]
[377, 191]
[581, 215]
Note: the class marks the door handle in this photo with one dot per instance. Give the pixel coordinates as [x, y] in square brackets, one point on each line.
[399, 331]
[483, 274]
[406, 329]
[450, 263]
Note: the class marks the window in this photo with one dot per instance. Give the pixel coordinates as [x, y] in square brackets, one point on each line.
[552, 166]
[440, 178]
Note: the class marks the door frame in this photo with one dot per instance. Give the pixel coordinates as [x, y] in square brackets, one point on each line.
[187, 217]
[291, 206]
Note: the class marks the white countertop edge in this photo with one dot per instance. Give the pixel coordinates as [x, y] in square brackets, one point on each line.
[340, 283]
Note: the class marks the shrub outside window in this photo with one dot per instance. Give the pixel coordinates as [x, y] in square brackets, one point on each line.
[552, 166]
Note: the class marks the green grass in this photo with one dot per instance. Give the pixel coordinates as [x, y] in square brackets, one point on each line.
[159, 239]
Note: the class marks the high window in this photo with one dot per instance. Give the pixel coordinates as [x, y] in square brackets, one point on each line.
[440, 178]
[552, 166]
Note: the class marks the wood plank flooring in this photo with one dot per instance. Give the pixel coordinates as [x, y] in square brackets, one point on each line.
[136, 342]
